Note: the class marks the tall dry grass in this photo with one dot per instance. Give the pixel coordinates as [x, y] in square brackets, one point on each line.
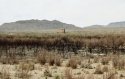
[73, 62]
[49, 57]
[23, 70]
[68, 42]
[118, 62]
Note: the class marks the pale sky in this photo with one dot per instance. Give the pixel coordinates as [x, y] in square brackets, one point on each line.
[78, 12]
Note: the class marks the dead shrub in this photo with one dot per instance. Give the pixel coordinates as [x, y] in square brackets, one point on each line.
[118, 63]
[26, 66]
[58, 60]
[105, 60]
[96, 59]
[105, 69]
[50, 58]
[86, 65]
[41, 57]
[73, 62]
[24, 69]
[53, 58]
[98, 70]
[47, 72]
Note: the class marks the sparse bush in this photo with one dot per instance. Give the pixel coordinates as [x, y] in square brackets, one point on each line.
[47, 73]
[26, 66]
[105, 69]
[58, 60]
[96, 59]
[50, 58]
[86, 65]
[105, 60]
[118, 63]
[24, 70]
[98, 70]
[41, 57]
[73, 62]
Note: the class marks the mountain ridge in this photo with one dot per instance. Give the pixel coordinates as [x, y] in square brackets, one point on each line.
[43, 25]
[36, 25]
[112, 25]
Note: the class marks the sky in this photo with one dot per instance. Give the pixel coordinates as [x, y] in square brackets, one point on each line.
[78, 12]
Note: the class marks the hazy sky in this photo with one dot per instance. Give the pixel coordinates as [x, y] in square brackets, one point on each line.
[78, 12]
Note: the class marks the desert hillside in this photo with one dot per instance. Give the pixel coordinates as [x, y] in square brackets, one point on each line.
[35, 26]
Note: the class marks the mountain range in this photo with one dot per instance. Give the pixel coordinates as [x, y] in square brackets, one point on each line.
[43, 25]
[35, 25]
[113, 25]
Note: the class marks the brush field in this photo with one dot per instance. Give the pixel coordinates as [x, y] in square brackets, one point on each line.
[74, 55]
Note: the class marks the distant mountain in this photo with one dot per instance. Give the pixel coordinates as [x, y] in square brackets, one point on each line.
[117, 24]
[94, 27]
[46, 25]
[113, 25]
[35, 25]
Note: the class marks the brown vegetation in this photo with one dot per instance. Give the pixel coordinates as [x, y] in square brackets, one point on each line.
[49, 57]
[68, 42]
[73, 62]
[52, 49]
[119, 62]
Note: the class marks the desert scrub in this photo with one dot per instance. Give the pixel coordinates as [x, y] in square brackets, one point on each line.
[98, 70]
[96, 59]
[86, 64]
[73, 62]
[49, 57]
[26, 66]
[118, 63]
[23, 71]
[105, 60]
[47, 73]
[41, 57]
[58, 60]
[54, 59]
[105, 69]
